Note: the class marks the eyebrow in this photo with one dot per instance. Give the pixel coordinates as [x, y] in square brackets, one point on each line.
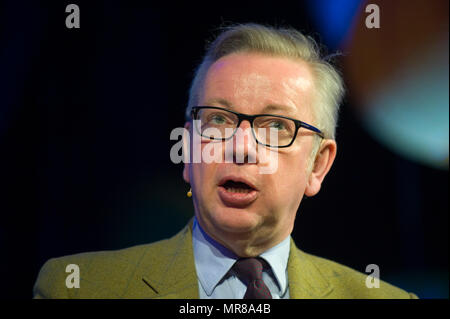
[279, 107]
[267, 109]
[221, 101]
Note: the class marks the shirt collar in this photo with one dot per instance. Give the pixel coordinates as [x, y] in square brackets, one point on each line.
[277, 257]
[213, 261]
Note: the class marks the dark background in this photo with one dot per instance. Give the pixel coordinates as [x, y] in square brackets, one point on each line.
[84, 142]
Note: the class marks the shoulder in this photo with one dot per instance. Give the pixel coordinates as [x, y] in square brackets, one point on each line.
[351, 284]
[102, 274]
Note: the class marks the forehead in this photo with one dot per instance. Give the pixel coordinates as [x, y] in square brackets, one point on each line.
[252, 81]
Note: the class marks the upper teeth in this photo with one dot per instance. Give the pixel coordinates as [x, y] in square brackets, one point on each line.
[238, 190]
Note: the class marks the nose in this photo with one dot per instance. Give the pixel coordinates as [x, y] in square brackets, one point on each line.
[243, 145]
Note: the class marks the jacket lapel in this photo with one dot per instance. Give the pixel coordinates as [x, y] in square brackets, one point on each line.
[170, 268]
[305, 279]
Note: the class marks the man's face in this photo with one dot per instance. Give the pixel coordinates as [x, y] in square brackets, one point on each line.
[254, 84]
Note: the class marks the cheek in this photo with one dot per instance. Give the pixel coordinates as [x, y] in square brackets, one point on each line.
[202, 174]
[291, 177]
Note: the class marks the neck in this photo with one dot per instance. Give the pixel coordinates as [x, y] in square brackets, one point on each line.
[243, 245]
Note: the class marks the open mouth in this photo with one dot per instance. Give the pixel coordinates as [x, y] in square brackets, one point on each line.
[237, 187]
[237, 192]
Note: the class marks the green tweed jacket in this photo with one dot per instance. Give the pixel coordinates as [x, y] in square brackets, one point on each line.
[166, 269]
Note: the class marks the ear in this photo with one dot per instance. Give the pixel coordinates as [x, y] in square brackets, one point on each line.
[322, 164]
[187, 152]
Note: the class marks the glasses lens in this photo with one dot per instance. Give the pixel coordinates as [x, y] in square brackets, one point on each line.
[274, 131]
[215, 124]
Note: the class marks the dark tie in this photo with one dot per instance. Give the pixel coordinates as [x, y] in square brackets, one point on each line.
[249, 270]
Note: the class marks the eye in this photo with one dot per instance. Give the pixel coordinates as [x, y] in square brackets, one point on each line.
[217, 119]
[277, 124]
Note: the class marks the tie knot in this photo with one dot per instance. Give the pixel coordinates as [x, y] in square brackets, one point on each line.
[249, 269]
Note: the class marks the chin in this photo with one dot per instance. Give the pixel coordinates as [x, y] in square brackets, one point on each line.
[236, 220]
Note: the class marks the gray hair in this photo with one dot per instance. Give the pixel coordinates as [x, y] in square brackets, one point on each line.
[288, 43]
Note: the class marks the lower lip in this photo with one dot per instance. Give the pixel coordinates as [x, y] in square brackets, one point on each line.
[237, 199]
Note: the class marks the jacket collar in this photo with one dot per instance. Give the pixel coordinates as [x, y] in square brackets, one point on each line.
[305, 279]
[169, 271]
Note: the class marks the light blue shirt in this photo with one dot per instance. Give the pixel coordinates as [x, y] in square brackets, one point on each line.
[213, 263]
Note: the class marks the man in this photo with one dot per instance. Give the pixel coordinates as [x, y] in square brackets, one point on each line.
[273, 84]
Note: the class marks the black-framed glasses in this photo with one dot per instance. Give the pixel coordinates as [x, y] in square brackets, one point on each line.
[217, 123]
